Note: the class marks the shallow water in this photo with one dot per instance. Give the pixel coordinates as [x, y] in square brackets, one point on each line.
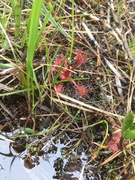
[16, 170]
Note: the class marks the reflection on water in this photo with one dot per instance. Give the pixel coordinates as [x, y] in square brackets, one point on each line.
[12, 166]
[18, 171]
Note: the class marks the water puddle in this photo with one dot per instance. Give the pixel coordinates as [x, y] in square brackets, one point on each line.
[51, 166]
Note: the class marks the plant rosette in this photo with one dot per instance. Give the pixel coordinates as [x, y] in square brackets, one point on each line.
[61, 65]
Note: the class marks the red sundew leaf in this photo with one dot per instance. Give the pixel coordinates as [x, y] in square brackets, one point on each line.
[54, 69]
[113, 147]
[65, 74]
[79, 59]
[59, 87]
[59, 60]
[114, 141]
[82, 90]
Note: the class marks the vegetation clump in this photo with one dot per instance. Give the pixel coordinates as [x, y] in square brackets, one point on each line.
[66, 72]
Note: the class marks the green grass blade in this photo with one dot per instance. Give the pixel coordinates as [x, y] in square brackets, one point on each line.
[16, 9]
[55, 24]
[73, 30]
[33, 32]
[47, 17]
